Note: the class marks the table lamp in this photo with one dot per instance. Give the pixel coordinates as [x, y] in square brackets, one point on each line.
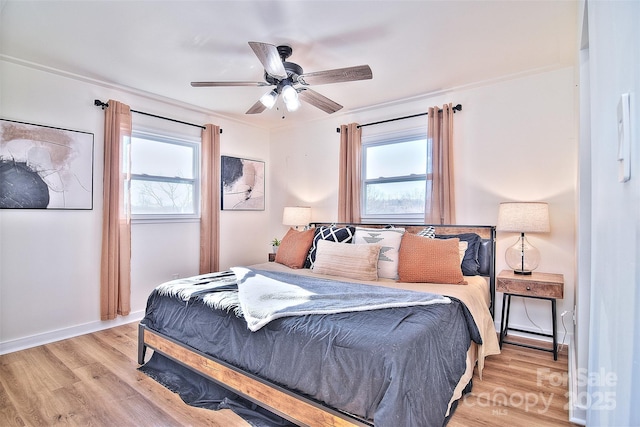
[296, 216]
[523, 217]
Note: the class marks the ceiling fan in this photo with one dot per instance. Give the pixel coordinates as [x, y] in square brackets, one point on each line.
[290, 82]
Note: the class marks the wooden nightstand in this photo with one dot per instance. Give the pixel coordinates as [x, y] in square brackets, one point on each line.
[546, 286]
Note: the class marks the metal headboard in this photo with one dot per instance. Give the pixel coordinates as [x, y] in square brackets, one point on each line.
[486, 232]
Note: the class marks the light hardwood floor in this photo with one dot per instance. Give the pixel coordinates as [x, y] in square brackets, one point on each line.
[519, 387]
[92, 380]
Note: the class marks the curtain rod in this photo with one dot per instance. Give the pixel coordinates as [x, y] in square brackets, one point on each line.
[104, 105]
[454, 109]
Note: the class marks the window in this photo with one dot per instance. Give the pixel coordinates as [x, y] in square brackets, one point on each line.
[396, 173]
[164, 177]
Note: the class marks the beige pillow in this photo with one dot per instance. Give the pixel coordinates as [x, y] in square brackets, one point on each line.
[424, 260]
[294, 248]
[462, 248]
[347, 260]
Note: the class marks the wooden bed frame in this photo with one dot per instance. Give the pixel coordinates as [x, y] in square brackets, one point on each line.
[291, 406]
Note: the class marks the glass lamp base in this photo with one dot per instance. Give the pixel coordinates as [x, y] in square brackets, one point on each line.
[522, 257]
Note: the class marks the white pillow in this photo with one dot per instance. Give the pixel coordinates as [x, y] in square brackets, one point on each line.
[347, 260]
[389, 239]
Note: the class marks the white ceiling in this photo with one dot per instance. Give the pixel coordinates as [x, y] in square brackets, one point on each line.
[413, 47]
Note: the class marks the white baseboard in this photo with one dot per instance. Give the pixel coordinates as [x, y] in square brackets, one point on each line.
[62, 334]
[577, 413]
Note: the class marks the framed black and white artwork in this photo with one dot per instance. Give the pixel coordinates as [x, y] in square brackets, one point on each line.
[43, 167]
[242, 183]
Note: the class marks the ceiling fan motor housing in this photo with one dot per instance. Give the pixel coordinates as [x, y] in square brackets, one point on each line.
[293, 71]
[284, 51]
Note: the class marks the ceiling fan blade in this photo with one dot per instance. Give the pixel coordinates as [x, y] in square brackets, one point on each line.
[256, 108]
[270, 59]
[349, 74]
[319, 101]
[222, 84]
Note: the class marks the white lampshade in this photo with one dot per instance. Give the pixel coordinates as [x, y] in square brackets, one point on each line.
[523, 217]
[290, 98]
[269, 99]
[289, 94]
[293, 105]
[296, 215]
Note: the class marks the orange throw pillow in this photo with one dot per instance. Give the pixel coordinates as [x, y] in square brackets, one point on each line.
[294, 248]
[424, 260]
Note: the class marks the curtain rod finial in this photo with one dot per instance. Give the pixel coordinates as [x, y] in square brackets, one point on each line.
[99, 103]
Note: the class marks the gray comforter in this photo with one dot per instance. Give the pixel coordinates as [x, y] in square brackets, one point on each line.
[395, 366]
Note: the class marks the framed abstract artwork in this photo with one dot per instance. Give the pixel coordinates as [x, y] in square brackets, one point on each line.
[43, 167]
[242, 182]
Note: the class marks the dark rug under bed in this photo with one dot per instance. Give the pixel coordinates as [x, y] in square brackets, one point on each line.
[198, 391]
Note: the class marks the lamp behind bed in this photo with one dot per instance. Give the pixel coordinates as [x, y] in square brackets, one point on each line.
[296, 216]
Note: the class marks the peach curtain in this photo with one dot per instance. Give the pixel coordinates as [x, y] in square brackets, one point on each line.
[210, 200]
[440, 206]
[115, 268]
[349, 183]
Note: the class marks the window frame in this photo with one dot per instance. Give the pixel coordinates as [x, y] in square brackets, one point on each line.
[390, 138]
[180, 140]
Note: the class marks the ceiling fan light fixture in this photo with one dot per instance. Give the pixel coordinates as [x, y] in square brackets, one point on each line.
[292, 105]
[269, 99]
[289, 94]
[290, 97]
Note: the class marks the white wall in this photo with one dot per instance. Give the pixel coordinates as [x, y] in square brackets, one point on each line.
[514, 140]
[50, 260]
[613, 389]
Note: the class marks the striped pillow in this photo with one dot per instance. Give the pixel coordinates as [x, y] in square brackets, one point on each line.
[333, 234]
[347, 260]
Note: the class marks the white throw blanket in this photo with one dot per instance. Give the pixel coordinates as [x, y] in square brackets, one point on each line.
[217, 290]
[262, 296]
[266, 296]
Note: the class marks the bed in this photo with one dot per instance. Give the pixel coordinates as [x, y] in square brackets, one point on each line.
[402, 363]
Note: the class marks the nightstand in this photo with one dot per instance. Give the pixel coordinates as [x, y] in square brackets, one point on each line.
[547, 286]
[272, 257]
